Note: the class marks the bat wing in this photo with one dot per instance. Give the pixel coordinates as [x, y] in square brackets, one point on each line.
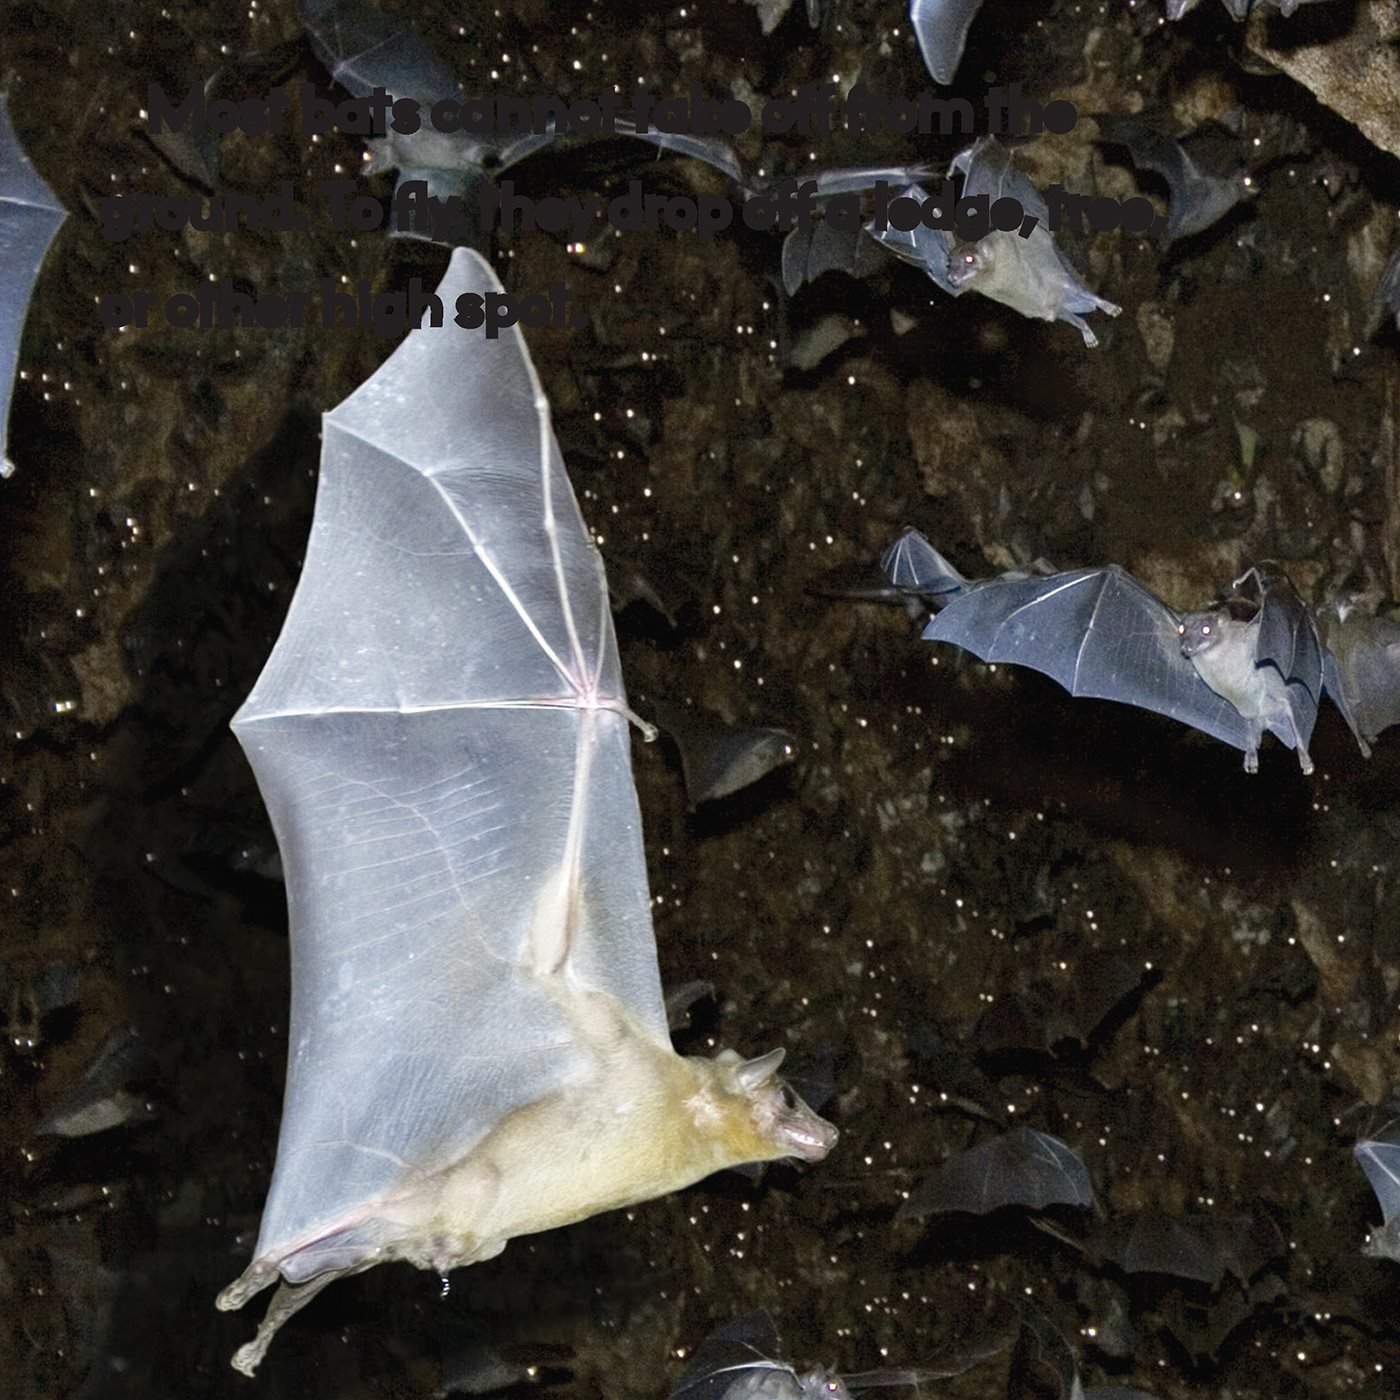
[928, 248]
[29, 218]
[1380, 1160]
[1019, 1168]
[911, 563]
[1099, 633]
[941, 28]
[1361, 668]
[1197, 199]
[441, 739]
[741, 1358]
[988, 169]
[1288, 642]
[362, 49]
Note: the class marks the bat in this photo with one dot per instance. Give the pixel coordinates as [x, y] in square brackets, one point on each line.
[719, 759]
[478, 1043]
[1100, 633]
[30, 215]
[1197, 199]
[740, 1362]
[941, 26]
[1020, 1168]
[1380, 1160]
[1153, 1243]
[1031, 275]
[1360, 667]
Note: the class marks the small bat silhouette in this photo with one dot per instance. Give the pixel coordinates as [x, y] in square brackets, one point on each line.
[1198, 199]
[1252, 663]
[1020, 1168]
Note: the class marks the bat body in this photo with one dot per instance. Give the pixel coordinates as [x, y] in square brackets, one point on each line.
[1030, 275]
[1380, 1160]
[30, 215]
[1100, 633]
[1361, 667]
[478, 1043]
[1268, 665]
[941, 28]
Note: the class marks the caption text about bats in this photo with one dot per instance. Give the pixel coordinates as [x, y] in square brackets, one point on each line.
[480, 132]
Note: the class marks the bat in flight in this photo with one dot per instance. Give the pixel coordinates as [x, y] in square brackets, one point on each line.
[478, 1041]
[1251, 664]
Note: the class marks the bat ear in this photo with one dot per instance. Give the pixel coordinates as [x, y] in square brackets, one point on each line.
[753, 1074]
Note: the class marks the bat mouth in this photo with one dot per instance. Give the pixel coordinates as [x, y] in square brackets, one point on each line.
[810, 1141]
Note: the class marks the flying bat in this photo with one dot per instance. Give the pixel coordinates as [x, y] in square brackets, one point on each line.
[1198, 198]
[1252, 663]
[1360, 667]
[1380, 1160]
[941, 26]
[478, 1043]
[29, 218]
[1029, 274]
[1020, 1168]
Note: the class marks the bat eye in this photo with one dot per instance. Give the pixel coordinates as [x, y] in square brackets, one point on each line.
[788, 1097]
[970, 259]
[1205, 629]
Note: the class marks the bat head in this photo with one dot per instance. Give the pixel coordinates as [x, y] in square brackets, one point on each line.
[1199, 632]
[969, 262]
[770, 1118]
[822, 1385]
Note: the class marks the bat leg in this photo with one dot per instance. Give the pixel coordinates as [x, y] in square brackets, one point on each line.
[1251, 757]
[1082, 326]
[289, 1300]
[1300, 744]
